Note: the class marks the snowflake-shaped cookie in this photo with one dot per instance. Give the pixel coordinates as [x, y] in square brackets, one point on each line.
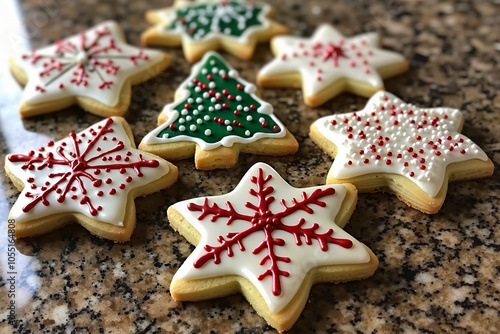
[91, 177]
[328, 64]
[410, 151]
[94, 69]
[203, 25]
[269, 239]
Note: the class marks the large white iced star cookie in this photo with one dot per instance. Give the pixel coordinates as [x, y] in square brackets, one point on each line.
[91, 177]
[328, 64]
[410, 151]
[269, 241]
[94, 69]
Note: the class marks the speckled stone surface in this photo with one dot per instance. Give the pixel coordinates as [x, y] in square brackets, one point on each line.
[438, 273]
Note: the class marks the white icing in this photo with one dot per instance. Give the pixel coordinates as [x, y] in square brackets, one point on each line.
[107, 95]
[311, 68]
[169, 15]
[244, 263]
[402, 136]
[113, 206]
[228, 141]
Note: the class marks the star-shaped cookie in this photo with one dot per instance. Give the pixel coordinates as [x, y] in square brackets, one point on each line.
[91, 177]
[269, 241]
[94, 69]
[328, 64]
[410, 151]
[204, 25]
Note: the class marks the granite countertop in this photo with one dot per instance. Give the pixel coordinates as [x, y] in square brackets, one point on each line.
[437, 273]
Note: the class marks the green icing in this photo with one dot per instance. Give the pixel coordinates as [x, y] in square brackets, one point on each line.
[190, 115]
[230, 18]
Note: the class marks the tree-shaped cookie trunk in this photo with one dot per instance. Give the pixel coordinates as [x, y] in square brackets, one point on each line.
[217, 115]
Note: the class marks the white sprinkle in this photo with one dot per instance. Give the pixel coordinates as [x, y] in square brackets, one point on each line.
[247, 132]
[213, 100]
[199, 100]
[197, 89]
[262, 120]
[192, 127]
[239, 107]
[218, 106]
[190, 100]
[208, 132]
[246, 109]
[188, 118]
[182, 128]
[206, 95]
[238, 98]
[249, 118]
[212, 62]
[199, 121]
[210, 108]
[204, 71]
[195, 112]
[184, 112]
[229, 128]
[165, 136]
[181, 120]
[206, 118]
[215, 70]
[212, 85]
[227, 122]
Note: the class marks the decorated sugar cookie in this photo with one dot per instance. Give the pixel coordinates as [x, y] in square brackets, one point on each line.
[269, 241]
[410, 151]
[217, 115]
[204, 25]
[94, 69]
[91, 177]
[328, 64]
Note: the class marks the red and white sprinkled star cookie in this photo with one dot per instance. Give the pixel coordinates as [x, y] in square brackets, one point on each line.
[269, 241]
[233, 25]
[328, 64]
[94, 69]
[91, 177]
[409, 151]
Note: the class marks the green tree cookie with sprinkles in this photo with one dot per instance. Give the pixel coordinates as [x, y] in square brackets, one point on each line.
[204, 25]
[217, 115]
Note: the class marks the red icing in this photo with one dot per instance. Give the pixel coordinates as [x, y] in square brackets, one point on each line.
[266, 221]
[78, 167]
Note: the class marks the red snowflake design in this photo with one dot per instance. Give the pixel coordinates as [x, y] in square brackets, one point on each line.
[84, 59]
[80, 165]
[266, 221]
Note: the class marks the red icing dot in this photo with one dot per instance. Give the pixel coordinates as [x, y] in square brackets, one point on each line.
[108, 181]
[100, 193]
[122, 186]
[412, 174]
[388, 162]
[112, 191]
[239, 86]
[187, 106]
[129, 179]
[122, 171]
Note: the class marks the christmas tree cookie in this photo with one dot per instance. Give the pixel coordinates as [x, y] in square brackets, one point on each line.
[94, 69]
[397, 147]
[91, 178]
[269, 241]
[328, 64]
[204, 25]
[217, 115]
